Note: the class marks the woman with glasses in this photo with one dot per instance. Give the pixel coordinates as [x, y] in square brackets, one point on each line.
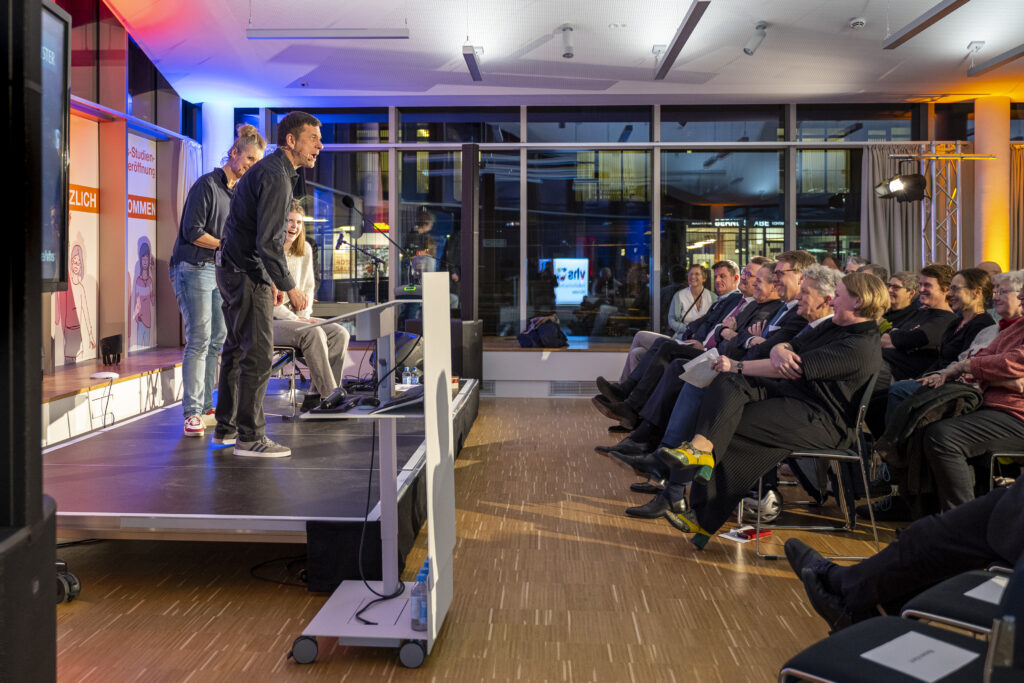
[902, 288]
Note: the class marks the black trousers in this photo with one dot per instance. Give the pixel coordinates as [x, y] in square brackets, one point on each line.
[950, 444]
[652, 370]
[928, 551]
[662, 400]
[753, 428]
[247, 356]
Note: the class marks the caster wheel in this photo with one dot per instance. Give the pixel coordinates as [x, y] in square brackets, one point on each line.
[68, 587]
[412, 653]
[304, 650]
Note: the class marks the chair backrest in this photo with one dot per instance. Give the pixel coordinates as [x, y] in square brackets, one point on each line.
[1005, 658]
[862, 409]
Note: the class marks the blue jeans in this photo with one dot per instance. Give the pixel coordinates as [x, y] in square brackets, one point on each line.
[680, 428]
[899, 392]
[195, 287]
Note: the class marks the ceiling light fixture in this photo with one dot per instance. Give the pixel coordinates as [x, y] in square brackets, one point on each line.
[922, 22]
[472, 54]
[760, 31]
[683, 34]
[325, 33]
[568, 51]
[998, 61]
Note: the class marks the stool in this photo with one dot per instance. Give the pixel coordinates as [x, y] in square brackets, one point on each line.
[288, 354]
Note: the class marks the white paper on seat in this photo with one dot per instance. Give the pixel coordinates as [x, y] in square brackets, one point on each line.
[990, 591]
[698, 371]
[920, 656]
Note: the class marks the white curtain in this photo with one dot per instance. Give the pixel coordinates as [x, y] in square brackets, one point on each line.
[890, 231]
[1016, 207]
[190, 165]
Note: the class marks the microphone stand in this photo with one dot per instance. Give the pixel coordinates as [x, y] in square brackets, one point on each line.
[377, 263]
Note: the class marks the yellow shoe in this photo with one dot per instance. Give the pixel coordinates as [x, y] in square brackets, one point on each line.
[688, 457]
[686, 521]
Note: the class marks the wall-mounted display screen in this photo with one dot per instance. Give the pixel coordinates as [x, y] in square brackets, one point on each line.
[56, 29]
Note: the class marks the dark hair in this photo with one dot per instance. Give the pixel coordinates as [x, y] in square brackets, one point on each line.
[798, 259]
[977, 278]
[726, 263]
[424, 217]
[292, 124]
[677, 274]
[881, 271]
[760, 260]
[942, 273]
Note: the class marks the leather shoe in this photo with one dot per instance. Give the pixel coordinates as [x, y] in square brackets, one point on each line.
[617, 410]
[644, 465]
[802, 556]
[827, 604]
[627, 446]
[656, 507]
[610, 390]
[647, 487]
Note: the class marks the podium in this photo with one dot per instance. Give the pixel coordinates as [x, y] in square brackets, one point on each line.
[337, 618]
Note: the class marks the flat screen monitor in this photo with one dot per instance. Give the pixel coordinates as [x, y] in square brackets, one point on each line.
[572, 274]
[56, 103]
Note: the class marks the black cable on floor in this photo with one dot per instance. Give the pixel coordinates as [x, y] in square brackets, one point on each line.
[290, 562]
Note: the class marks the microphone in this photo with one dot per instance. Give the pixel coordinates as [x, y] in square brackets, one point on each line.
[349, 203]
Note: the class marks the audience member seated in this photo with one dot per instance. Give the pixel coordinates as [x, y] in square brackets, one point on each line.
[749, 420]
[817, 290]
[875, 269]
[982, 532]
[726, 278]
[853, 264]
[624, 402]
[903, 297]
[967, 295]
[830, 261]
[691, 302]
[323, 348]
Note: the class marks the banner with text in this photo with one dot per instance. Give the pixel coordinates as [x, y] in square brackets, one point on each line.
[140, 244]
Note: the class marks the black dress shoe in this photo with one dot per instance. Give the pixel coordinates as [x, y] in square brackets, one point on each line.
[618, 429]
[802, 556]
[610, 390]
[626, 446]
[617, 410]
[645, 465]
[656, 507]
[827, 604]
[645, 487]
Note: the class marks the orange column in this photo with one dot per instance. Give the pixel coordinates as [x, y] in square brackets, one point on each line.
[992, 182]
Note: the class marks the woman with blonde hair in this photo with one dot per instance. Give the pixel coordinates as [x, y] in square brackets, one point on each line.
[323, 347]
[193, 275]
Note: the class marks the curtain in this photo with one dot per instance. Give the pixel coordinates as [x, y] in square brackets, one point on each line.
[190, 165]
[890, 231]
[1016, 207]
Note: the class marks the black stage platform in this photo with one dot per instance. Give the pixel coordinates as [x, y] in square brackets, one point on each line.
[141, 479]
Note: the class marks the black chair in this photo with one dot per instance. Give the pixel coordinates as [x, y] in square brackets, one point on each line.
[948, 603]
[996, 458]
[846, 656]
[835, 459]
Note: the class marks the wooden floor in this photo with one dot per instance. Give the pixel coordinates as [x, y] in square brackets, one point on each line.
[552, 583]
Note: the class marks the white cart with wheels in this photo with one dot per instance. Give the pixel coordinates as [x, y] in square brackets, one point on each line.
[336, 619]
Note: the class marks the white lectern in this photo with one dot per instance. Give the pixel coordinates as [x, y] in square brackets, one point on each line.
[337, 618]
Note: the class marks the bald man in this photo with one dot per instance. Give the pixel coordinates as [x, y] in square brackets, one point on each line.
[990, 267]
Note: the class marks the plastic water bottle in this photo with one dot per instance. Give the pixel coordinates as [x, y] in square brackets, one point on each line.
[418, 603]
[414, 376]
[406, 376]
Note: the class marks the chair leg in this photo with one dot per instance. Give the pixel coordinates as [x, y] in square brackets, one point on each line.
[871, 511]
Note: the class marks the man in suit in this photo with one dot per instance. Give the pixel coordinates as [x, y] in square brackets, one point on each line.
[971, 536]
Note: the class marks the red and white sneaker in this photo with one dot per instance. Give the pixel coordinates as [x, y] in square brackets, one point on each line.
[194, 426]
[209, 418]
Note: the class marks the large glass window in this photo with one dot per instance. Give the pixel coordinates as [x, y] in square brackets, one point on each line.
[588, 240]
[430, 219]
[718, 205]
[498, 274]
[573, 124]
[828, 202]
[854, 122]
[344, 126]
[460, 125]
[346, 273]
[721, 124]
[1017, 121]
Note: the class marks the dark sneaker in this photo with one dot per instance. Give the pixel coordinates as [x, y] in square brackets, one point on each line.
[224, 439]
[309, 402]
[264, 448]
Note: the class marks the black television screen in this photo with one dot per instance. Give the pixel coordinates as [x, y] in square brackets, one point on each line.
[56, 102]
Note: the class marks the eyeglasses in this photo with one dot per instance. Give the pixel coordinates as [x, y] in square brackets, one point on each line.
[746, 273]
[892, 286]
[779, 273]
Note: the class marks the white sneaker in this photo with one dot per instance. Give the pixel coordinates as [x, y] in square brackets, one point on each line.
[209, 418]
[264, 448]
[194, 426]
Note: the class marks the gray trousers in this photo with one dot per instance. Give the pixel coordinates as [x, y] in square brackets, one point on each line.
[642, 342]
[323, 350]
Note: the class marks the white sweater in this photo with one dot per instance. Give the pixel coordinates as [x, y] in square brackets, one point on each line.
[301, 268]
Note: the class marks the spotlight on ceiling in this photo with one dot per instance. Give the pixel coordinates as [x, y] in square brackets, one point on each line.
[760, 31]
[472, 54]
[568, 51]
[906, 187]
